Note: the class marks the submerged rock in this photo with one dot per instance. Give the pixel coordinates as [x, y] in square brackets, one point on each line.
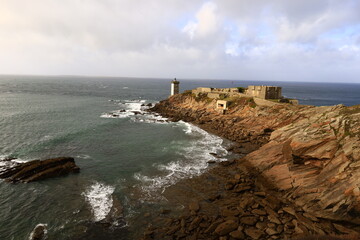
[39, 233]
[38, 170]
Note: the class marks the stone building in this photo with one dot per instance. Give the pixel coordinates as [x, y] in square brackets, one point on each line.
[264, 92]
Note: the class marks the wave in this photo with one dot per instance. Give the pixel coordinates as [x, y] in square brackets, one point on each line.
[83, 156]
[99, 196]
[7, 161]
[193, 161]
[136, 111]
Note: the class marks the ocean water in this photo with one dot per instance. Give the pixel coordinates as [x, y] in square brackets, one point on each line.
[124, 153]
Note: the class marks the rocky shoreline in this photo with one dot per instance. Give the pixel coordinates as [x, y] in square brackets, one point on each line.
[299, 177]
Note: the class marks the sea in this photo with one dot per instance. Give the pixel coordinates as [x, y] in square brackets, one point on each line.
[125, 153]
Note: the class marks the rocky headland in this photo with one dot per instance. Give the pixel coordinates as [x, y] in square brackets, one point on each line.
[299, 174]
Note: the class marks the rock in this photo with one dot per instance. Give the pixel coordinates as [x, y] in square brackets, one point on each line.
[229, 212]
[259, 212]
[345, 230]
[237, 177]
[311, 217]
[38, 170]
[115, 214]
[194, 206]
[215, 155]
[271, 231]
[274, 219]
[260, 194]
[226, 227]
[229, 185]
[280, 228]
[289, 210]
[237, 234]
[8, 159]
[227, 163]
[261, 225]
[195, 223]
[241, 188]
[254, 233]
[211, 161]
[249, 220]
[213, 226]
[39, 232]
[165, 211]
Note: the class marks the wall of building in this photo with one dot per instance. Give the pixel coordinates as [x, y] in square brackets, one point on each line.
[264, 92]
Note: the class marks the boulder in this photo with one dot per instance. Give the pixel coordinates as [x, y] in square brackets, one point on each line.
[39, 233]
[254, 233]
[249, 220]
[226, 227]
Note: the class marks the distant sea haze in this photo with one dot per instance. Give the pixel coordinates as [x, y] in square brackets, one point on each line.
[125, 154]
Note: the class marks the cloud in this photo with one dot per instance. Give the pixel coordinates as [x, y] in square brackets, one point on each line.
[206, 23]
[237, 39]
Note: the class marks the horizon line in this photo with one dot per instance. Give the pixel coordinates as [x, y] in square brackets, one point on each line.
[164, 78]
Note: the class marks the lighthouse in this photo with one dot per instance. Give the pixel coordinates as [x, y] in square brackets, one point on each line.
[174, 87]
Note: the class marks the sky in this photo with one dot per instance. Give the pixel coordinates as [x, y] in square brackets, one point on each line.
[297, 40]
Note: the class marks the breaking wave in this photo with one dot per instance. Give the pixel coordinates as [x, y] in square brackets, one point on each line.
[192, 161]
[136, 111]
[99, 196]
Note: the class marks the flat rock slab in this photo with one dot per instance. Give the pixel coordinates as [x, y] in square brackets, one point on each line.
[40, 169]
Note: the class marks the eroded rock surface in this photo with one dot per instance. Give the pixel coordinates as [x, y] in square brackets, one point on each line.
[39, 169]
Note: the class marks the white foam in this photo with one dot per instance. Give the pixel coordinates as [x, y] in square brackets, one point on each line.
[8, 164]
[193, 161]
[99, 196]
[83, 156]
[117, 114]
[136, 112]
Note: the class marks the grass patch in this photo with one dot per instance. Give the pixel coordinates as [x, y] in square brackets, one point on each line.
[351, 110]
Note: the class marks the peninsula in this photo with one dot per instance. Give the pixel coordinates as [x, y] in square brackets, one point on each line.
[299, 174]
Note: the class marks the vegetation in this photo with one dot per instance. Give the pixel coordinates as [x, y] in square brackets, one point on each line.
[236, 101]
[202, 97]
[351, 110]
[187, 93]
[241, 89]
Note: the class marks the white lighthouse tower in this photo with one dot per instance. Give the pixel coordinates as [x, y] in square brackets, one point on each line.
[174, 87]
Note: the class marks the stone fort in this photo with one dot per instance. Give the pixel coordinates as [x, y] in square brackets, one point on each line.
[261, 95]
[263, 92]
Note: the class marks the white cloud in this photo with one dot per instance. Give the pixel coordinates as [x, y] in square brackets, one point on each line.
[237, 39]
[206, 24]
